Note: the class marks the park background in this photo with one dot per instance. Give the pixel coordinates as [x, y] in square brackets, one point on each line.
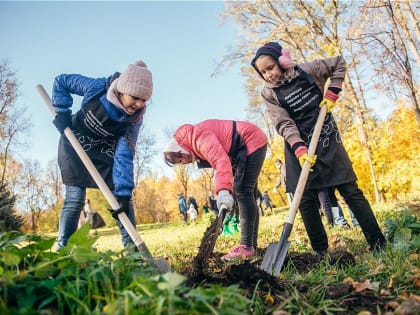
[199, 53]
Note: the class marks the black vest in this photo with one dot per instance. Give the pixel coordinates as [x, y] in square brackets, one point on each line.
[301, 98]
[98, 135]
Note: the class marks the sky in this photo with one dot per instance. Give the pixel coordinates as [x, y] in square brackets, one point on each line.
[181, 43]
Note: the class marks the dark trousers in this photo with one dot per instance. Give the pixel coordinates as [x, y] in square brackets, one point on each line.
[184, 215]
[245, 196]
[355, 199]
[324, 199]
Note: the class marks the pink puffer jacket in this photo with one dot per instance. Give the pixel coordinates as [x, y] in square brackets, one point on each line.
[211, 140]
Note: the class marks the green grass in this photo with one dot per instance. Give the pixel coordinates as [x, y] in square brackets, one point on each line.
[92, 275]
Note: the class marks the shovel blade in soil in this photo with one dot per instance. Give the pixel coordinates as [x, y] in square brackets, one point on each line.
[275, 254]
[273, 263]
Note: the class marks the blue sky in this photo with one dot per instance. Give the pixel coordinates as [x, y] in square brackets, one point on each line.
[180, 42]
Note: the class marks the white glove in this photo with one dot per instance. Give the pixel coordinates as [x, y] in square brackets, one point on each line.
[224, 198]
[274, 190]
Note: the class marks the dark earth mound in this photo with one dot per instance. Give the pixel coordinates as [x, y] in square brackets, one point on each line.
[249, 276]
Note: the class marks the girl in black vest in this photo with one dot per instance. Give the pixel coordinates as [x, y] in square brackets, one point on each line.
[293, 95]
[107, 127]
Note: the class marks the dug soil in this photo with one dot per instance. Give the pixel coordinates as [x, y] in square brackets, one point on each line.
[273, 290]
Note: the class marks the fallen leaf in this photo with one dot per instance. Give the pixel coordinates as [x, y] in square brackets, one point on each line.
[268, 298]
[361, 286]
[408, 307]
[349, 280]
[393, 304]
[378, 269]
[385, 292]
[414, 257]
[391, 282]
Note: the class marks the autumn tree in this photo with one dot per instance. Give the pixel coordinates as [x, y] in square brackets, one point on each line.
[390, 36]
[145, 151]
[156, 197]
[13, 122]
[310, 30]
[34, 193]
[9, 219]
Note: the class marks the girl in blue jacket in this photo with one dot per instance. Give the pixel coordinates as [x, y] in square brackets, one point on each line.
[107, 127]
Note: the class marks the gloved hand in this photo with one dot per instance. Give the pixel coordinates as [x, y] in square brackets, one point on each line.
[274, 190]
[224, 197]
[302, 155]
[62, 121]
[329, 99]
[123, 206]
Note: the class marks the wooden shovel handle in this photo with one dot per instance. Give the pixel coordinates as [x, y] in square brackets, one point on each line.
[306, 166]
[113, 202]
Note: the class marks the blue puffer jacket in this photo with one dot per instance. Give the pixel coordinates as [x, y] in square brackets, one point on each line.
[123, 169]
[182, 205]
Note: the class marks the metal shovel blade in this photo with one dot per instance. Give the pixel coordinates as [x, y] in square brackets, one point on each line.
[275, 254]
[162, 265]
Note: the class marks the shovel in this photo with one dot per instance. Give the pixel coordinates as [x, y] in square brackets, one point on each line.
[276, 252]
[210, 237]
[161, 264]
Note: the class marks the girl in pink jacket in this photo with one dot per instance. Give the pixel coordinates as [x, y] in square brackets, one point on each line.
[236, 151]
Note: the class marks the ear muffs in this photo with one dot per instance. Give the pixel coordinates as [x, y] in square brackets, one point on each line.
[285, 59]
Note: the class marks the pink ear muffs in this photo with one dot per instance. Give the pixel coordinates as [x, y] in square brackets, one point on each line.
[285, 60]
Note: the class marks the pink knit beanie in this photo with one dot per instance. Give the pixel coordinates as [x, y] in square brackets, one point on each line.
[136, 81]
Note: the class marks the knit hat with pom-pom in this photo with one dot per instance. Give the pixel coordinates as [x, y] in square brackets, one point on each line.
[282, 55]
[136, 81]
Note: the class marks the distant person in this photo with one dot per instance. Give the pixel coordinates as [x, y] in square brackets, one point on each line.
[236, 151]
[182, 206]
[293, 94]
[192, 213]
[267, 202]
[191, 200]
[281, 181]
[206, 207]
[107, 126]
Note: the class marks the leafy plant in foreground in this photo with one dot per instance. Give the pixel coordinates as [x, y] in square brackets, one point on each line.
[403, 232]
[79, 280]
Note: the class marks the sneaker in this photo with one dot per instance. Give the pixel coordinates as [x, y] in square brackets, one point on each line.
[345, 226]
[240, 252]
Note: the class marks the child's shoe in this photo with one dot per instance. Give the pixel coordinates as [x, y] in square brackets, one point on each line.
[239, 252]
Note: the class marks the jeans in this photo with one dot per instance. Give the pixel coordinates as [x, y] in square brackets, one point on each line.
[246, 197]
[72, 207]
[338, 216]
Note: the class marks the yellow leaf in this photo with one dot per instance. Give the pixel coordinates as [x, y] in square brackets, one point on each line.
[349, 280]
[269, 299]
[378, 269]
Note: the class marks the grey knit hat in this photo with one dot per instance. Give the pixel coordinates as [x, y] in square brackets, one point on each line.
[136, 81]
